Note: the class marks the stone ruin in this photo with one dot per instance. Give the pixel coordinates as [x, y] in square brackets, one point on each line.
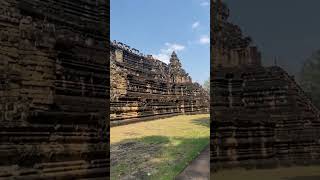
[261, 118]
[54, 89]
[144, 88]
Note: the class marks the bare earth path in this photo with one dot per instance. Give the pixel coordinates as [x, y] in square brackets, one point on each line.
[199, 168]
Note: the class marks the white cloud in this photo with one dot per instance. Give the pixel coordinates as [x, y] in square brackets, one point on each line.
[204, 3]
[195, 25]
[205, 39]
[165, 53]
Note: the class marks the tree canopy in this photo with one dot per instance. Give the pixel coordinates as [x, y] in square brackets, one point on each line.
[206, 85]
[310, 77]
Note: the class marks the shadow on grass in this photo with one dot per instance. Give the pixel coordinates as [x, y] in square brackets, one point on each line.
[155, 139]
[303, 178]
[202, 122]
[154, 157]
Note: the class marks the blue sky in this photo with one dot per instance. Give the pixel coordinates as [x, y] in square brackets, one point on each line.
[159, 26]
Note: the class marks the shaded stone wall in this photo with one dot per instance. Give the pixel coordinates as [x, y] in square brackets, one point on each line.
[260, 116]
[229, 46]
[146, 88]
[53, 89]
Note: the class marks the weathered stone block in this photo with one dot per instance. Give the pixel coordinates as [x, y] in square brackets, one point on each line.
[146, 88]
[260, 115]
[44, 136]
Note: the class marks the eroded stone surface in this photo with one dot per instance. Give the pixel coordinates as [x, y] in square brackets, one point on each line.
[143, 87]
[260, 115]
[53, 89]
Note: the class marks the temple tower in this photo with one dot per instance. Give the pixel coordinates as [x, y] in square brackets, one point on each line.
[259, 115]
[174, 67]
[230, 47]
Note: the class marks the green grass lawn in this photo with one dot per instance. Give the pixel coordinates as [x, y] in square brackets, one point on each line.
[290, 173]
[158, 149]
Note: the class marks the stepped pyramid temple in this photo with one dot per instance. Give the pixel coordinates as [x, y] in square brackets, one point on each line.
[143, 87]
[53, 89]
[260, 116]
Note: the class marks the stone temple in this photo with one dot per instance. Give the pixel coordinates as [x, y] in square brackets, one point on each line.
[144, 88]
[54, 89]
[260, 117]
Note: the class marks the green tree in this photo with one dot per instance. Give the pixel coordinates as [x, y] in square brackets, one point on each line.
[206, 85]
[310, 77]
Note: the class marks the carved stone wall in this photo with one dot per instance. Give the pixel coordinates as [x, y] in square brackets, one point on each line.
[260, 115]
[230, 47]
[146, 88]
[53, 89]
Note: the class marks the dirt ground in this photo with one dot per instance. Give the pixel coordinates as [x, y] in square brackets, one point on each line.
[198, 169]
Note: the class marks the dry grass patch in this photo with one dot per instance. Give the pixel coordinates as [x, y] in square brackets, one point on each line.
[157, 149]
